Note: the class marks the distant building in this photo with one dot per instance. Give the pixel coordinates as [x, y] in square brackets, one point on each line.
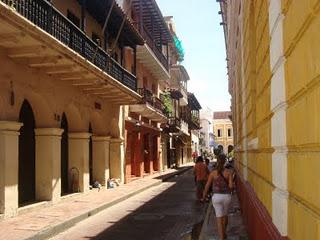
[206, 142]
[223, 131]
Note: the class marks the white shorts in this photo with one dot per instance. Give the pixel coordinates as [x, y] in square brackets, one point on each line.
[221, 203]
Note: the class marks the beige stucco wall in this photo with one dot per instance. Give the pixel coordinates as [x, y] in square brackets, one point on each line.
[91, 25]
[49, 98]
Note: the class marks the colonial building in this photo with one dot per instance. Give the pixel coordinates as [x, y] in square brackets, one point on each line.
[206, 140]
[223, 131]
[191, 112]
[65, 72]
[143, 120]
[176, 132]
[273, 69]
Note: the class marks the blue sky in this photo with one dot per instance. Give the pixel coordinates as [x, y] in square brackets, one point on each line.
[197, 25]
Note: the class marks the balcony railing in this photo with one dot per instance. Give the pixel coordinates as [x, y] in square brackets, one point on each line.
[174, 124]
[155, 102]
[48, 18]
[195, 121]
[156, 50]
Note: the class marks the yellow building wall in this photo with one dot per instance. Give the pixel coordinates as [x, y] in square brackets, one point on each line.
[302, 69]
[256, 73]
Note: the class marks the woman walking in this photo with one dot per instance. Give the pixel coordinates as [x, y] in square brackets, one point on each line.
[221, 181]
[201, 175]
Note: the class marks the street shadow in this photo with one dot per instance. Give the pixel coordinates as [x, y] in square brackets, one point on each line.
[160, 219]
[170, 176]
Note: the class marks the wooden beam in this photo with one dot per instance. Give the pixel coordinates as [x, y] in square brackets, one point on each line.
[14, 37]
[81, 83]
[57, 69]
[38, 61]
[84, 82]
[69, 75]
[120, 103]
[121, 97]
[25, 51]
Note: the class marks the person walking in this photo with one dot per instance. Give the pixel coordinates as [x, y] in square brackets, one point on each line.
[221, 181]
[201, 175]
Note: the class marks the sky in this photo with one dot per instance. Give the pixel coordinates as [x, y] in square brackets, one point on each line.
[198, 27]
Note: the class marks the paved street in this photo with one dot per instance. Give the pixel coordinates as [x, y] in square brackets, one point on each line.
[167, 212]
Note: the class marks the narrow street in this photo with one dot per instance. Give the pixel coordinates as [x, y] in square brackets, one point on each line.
[168, 211]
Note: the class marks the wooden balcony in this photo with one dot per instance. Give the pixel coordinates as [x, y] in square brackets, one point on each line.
[173, 125]
[150, 107]
[36, 34]
[155, 48]
[194, 122]
[151, 25]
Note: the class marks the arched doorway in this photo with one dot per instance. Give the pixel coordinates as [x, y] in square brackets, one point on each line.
[26, 182]
[90, 157]
[64, 156]
[155, 153]
[146, 153]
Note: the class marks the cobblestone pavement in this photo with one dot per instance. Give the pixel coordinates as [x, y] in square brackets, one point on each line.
[165, 212]
[43, 220]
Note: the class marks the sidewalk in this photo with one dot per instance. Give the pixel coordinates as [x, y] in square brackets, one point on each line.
[47, 221]
[236, 229]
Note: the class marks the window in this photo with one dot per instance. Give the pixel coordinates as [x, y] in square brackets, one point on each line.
[219, 133]
[73, 18]
[229, 132]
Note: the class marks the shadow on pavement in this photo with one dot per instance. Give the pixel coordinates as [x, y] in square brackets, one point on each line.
[168, 216]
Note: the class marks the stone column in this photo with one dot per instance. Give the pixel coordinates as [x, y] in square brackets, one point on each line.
[79, 161]
[9, 141]
[100, 152]
[48, 164]
[117, 159]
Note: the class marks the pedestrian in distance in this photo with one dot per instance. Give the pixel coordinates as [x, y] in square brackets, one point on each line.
[209, 165]
[201, 175]
[221, 182]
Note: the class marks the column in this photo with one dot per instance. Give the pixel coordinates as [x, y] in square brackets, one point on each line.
[9, 141]
[117, 159]
[48, 164]
[79, 161]
[278, 120]
[100, 151]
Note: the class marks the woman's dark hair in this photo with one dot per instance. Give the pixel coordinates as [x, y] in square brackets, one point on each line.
[220, 163]
[199, 159]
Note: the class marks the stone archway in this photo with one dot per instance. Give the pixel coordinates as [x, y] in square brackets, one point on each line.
[64, 155]
[26, 175]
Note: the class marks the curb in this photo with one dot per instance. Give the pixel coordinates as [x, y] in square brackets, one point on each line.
[202, 235]
[56, 229]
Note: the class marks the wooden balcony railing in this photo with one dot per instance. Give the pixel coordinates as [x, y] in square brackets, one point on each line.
[156, 49]
[155, 102]
[195, 122]
[48, 18]
[173, 121]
